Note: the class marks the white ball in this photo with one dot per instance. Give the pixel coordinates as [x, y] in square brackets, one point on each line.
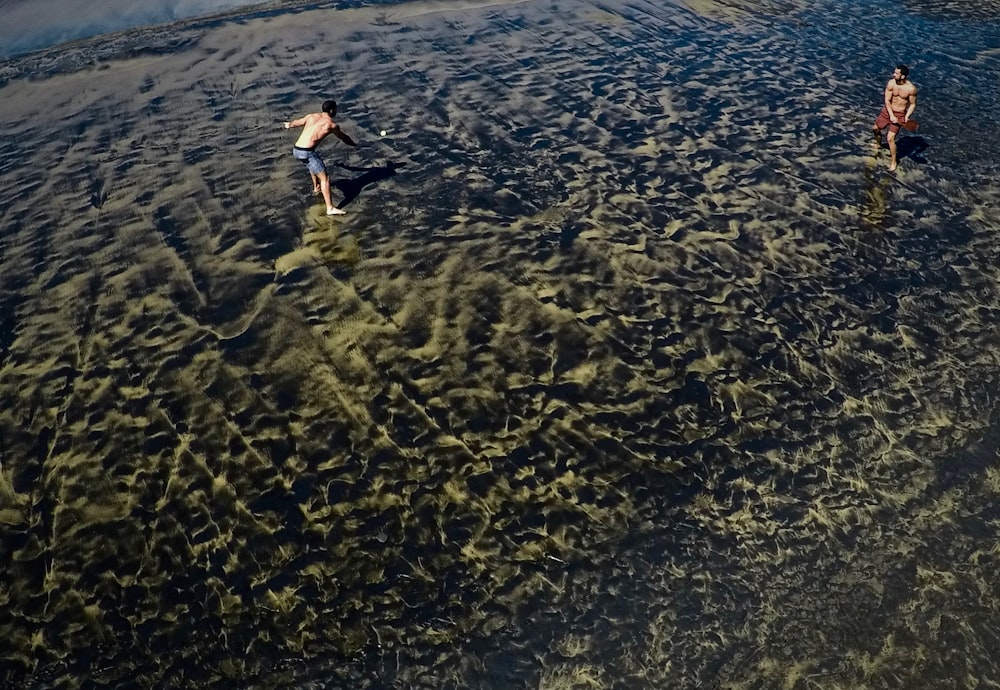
[382, 133]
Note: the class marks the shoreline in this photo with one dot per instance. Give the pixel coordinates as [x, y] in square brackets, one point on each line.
[75, 54]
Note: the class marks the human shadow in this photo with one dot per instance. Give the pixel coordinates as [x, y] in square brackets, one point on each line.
[912, 147]
[351, 188]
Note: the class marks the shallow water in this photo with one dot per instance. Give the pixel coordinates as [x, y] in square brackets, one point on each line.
[630, 366]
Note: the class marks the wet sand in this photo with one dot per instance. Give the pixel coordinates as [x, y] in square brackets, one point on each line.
[630, 366]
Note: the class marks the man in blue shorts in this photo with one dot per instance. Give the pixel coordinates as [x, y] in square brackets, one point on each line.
[315, 128]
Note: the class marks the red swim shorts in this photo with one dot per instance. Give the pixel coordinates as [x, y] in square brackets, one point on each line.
[883, 121]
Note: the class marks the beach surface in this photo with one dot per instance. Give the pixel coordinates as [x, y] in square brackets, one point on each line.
[630, 366]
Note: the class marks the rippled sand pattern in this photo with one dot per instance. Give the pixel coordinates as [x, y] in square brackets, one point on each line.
[956, 9]
[630, 367]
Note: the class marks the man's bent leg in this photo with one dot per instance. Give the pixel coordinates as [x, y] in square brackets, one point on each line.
[881, 122]
[324, 185]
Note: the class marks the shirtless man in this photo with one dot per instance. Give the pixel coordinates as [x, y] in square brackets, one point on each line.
[900, 102]
[316, 127]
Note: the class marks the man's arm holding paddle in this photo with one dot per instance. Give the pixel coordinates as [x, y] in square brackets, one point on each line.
[911, 107]
[322, 127]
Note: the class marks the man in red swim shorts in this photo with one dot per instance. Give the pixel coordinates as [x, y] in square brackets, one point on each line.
[900, 102]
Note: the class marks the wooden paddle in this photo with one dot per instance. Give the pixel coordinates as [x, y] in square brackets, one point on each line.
[909, 125]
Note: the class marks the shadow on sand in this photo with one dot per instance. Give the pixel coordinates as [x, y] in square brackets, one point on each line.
[351, 188]
[912, 148]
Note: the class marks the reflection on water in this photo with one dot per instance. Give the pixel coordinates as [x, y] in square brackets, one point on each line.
[875, 204]
[328, 243]
[876, 201]
[629, 366]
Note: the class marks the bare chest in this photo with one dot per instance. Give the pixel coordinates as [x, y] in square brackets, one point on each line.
[901, 92]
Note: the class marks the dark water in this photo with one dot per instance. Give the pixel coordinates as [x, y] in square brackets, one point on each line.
[36, 24]
[33, 25]
[723, 414]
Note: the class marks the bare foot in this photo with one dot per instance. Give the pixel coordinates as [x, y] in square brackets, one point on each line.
[334, 211]
[892, 168]
[317, 190]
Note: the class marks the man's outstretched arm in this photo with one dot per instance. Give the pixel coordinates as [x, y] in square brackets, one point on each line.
[339, 133]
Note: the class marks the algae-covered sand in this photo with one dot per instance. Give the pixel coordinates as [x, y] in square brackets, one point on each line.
[630, 367]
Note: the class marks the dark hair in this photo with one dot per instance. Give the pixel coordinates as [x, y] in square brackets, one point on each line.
[330, 108]
[903, 69]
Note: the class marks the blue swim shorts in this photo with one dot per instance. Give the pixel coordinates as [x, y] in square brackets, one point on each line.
[311, 158]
